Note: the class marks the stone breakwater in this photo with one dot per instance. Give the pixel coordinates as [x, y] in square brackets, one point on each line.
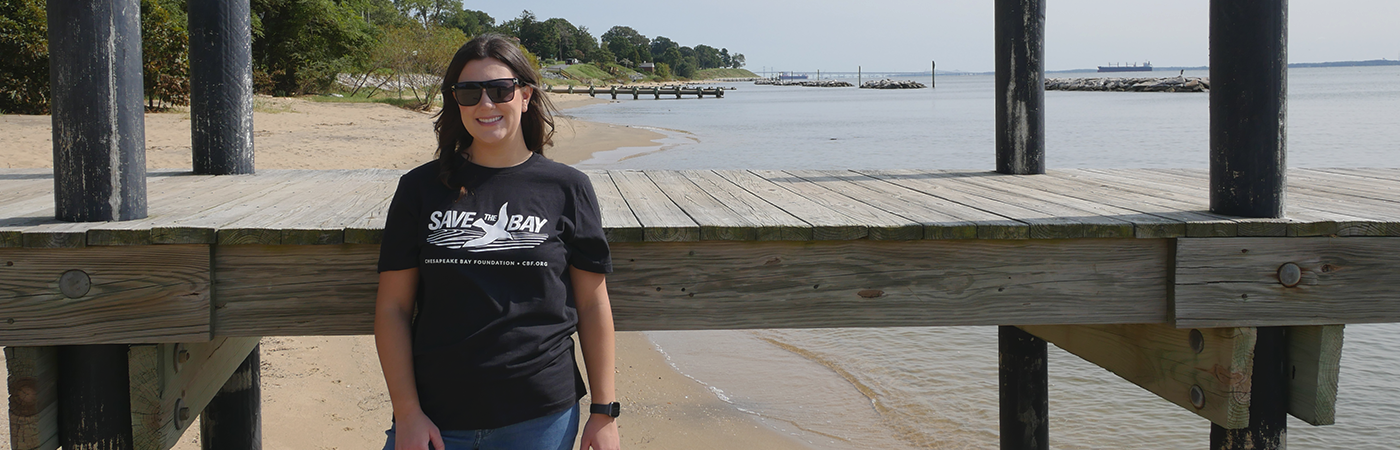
[891, 84]
[1173, 84]
[807, 83]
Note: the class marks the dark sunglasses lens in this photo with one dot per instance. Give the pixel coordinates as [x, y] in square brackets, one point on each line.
[467, 96]
[501, 94]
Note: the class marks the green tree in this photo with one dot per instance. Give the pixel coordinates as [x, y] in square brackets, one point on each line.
[623, 42]
[415, 58]
[724, 59]
[24, 68]
[663, 71]
[706, 57]
[472, 23]
[660, 45]
[300, 46]
[428, 12]
[378, 13]
[165, 54]
[737, 61]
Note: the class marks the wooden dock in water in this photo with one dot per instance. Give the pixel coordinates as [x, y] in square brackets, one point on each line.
[1107, 264]
[637, 91]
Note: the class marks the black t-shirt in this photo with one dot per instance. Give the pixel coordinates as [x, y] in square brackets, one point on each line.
[491, 338]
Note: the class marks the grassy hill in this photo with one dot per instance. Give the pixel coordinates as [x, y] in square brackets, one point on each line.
[710, 74]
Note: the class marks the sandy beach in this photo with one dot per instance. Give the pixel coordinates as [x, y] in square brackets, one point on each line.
[328, 392]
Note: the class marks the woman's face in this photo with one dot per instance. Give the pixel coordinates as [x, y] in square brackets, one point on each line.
[488, 122]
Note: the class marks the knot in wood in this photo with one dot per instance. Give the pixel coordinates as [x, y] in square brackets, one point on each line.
[871, 293]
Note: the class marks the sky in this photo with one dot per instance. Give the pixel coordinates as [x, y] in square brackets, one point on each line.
[905, 36]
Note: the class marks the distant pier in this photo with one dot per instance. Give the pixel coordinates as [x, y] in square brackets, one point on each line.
[638, 91]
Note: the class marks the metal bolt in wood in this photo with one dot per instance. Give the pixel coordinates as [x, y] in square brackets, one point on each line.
[74, 283]
[182, 414]
[1289, 275]
[1198, 341]
[182, 355]
[1198, 397]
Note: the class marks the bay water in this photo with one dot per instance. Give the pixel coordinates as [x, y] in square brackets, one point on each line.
[936, 387]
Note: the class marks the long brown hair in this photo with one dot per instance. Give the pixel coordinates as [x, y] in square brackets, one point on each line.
[536, 123]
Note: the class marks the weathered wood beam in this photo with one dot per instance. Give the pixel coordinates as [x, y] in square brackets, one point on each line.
[1020, 86]
[221, 87]
[329, 289]
[172, 383]
[33, 384]
[98, 295]
[1205, 371]
[735, 285]
[1023, 386]
[1268, 393]
[1314, 357]
[1286, 281]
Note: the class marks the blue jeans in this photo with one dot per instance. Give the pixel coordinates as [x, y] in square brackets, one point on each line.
[555, 431]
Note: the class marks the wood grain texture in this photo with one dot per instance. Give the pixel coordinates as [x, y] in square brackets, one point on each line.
[1235, 282]
[280, 214]
[1191, 201]
[735, 285]
[156, 385]
[940, 218]
[826, 224]
[295, 290]
[716, 220]
[771, 223]
[878, 223]
[661, 219]
[33, 384]
[137, 294]
[1315, 352]
[619, 224]
[1160, 359]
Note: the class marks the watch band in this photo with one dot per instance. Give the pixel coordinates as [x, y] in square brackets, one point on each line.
[613, 409]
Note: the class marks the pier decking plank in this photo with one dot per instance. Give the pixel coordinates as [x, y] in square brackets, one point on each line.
[827, 225]
[661, 219]
[619, 223]
[716, 220]
[773, 223]
[940, 218]
[878, 223]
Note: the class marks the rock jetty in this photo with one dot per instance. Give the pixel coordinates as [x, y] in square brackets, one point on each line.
[1172, 84]
[807, 83]
[891, 84]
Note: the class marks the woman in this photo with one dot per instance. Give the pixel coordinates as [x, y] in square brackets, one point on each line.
[492, 256]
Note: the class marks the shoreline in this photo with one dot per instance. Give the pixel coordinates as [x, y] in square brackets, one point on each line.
[328, 392]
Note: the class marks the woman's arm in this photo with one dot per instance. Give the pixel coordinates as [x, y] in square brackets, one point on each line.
[393, 317]
[595, 334]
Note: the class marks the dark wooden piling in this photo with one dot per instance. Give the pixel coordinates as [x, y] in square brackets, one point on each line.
[233, 418]
[94, 400]
[1024, 390]
[1248, 104]
[99, 136]
[1248, 148]
[1020, 81]
[1268, 400]
[221, 87]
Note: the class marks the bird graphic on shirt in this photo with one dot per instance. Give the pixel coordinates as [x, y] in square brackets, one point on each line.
[493, 231]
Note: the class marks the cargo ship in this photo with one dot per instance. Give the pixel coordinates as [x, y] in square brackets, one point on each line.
[791, 76]
[1145, 67]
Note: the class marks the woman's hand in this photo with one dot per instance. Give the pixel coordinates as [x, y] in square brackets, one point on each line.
[600, 433]
[415, 431]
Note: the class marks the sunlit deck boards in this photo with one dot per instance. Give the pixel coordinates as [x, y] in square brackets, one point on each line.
[293, 252]
[347, 206]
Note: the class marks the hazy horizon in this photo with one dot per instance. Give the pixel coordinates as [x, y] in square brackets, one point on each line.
[830, 35]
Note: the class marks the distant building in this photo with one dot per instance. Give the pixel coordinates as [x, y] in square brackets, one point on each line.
[646, 67]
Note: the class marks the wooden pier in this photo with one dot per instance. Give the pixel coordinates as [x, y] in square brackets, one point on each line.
[1104, 263]
[637, 91]
[131, 302]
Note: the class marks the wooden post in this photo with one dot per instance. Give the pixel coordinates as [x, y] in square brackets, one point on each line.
[656, 91]
[933, 75]
[221, 87]
[634, 92]
[613, 90]
[94, 397]
[99, 134]
[1248, 104]
[1268, 399]
[1020, 84]
[858, 83]
[233, 419]
[1024, 388]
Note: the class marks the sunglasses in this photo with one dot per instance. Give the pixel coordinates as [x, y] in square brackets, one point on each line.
[501, 90]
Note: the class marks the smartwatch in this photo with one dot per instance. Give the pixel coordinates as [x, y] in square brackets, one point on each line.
[611, 409]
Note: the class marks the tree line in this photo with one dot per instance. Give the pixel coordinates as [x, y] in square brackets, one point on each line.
[303, 46]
